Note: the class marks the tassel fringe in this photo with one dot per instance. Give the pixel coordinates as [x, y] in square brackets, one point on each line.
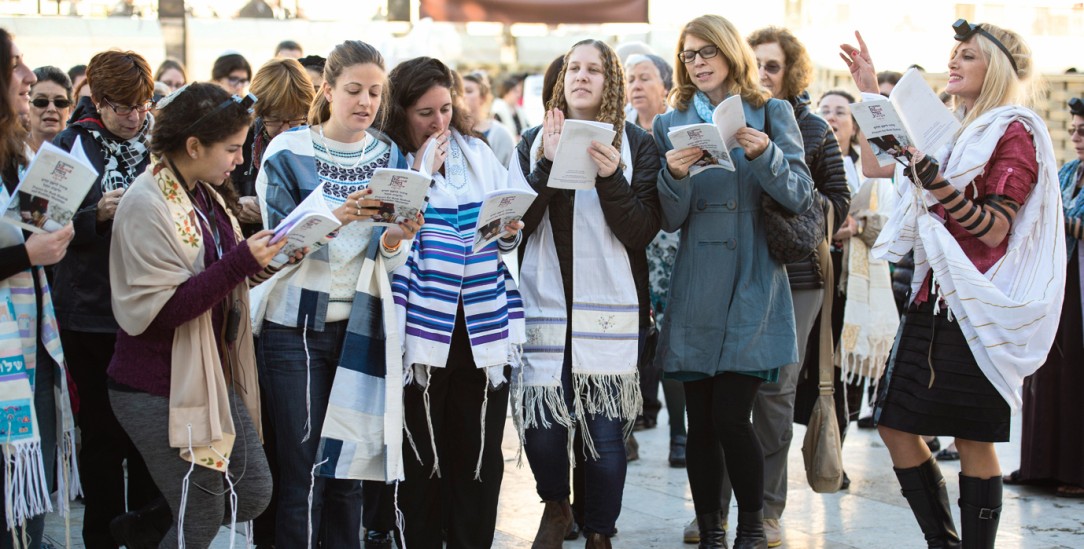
[613, 396]
[27, 492]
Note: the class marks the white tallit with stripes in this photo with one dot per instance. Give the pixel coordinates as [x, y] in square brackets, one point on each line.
[605, 316]
[1010, 313]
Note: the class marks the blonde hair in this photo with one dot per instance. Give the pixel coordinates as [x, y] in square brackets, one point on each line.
[737, 54]
[612, 109]
[1002, 85]
[283, 88]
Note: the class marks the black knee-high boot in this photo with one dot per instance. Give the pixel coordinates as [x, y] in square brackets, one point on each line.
[980, 511]
[924, 489]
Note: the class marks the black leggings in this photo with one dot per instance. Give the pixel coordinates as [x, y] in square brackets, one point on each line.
[719, 408]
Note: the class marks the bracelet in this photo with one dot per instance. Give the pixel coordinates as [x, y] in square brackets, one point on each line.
[390, 249]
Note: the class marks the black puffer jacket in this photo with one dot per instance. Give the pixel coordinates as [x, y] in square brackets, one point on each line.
[81, 291]
[631, 210]
[902, 274]
[829, 179]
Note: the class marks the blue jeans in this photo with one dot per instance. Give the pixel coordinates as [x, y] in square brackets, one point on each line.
[604, 478]
[336, 503]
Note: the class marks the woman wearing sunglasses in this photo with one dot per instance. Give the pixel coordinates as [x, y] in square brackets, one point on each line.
[983, 218]
[50, 105]
[729, 326]
[112, 125]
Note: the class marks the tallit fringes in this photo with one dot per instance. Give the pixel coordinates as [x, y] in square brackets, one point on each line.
[429, 422]
[482, 447]
[27, 493]
[613, 396]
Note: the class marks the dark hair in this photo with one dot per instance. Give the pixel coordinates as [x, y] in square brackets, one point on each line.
[171, 64]
[888, 77]
[347, 54]
[287, 45]
[197, 111]
[799, 69]
[11, 132]
[409, 81]
[122, 76]
[49, 73]
[480, 79]
[77, 71]
[313, 62]
[228, 63]
[508, 82]
[550, 79]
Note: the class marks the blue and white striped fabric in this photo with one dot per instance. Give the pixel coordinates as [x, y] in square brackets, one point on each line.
[442, 270]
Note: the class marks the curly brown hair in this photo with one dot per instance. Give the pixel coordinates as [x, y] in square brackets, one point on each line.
[799, 70]
[612, 109]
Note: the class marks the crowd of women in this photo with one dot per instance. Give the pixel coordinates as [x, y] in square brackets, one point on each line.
[355, 393]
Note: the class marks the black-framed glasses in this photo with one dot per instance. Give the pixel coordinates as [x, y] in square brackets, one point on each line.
[125, 110]
[771, 67]
[237, 81]
[276, 123]
[247, 102]
[706, 52]
[43, 102]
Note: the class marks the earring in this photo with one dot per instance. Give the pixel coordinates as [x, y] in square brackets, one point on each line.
[192, 154]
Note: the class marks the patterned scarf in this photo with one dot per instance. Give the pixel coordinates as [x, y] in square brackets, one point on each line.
[1071, 200]
[121, 157]
[703, 106]
[27, 493]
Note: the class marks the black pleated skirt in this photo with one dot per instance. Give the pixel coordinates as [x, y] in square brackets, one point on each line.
[933, 386]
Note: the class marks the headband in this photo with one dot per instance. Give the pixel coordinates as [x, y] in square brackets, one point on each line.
[965, 31]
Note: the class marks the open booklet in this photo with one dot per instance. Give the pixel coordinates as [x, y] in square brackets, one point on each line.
[716, 139]
[306, 225]
[55, 184]
[912, 115]
[499, 208]
[402, 194]
[573, 167]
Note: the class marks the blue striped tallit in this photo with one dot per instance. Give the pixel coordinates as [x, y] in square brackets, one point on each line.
[442, 270]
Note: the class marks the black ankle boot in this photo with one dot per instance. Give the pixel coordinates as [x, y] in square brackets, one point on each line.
[144, 528]
[980, 510]
[924, 488]
[712, 534]
[750, 531]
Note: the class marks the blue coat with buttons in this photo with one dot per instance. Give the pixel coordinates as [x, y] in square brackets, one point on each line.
[730, 306]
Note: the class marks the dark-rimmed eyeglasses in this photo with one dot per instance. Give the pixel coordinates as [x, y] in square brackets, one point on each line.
[706, 52]
[125, 110]
[43, 102]
[273, 124]
[771, 67]
[237, 81]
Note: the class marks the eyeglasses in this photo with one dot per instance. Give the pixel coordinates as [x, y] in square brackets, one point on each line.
[43, 102]
[1077, 130]
[706, 52]
[236, 81]
[247, 102]
[274, 124]
[122, 110]
[771, 67]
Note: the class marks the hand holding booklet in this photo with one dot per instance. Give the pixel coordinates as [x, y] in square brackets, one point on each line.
[499, 208]
[573, 167]
[912, 115]
[402, 194]
[716, 139]
[52, 190]
[306, 225]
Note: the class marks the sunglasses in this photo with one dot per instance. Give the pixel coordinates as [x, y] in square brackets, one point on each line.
[1076, 130]
[771, 67]
[124, 110]
[706, 52]
[43, 102]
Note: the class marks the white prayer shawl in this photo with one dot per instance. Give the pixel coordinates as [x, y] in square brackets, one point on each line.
[1010, 313]
[605, 317]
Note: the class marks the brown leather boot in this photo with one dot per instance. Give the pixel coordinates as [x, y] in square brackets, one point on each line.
[555, 524]
[598, 541]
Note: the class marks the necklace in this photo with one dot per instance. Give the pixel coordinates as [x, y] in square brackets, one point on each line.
[331, 156]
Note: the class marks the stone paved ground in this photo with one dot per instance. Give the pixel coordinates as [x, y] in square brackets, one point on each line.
[657, 504]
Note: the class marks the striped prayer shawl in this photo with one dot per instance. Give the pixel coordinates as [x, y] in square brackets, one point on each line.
[443, 269]
[1010, 313]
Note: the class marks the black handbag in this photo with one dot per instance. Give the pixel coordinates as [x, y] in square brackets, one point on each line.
[791, 237]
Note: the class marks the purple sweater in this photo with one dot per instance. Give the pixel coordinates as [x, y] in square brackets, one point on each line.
[143, 362]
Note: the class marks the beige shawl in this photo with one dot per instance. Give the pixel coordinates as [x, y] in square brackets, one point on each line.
[157, 245]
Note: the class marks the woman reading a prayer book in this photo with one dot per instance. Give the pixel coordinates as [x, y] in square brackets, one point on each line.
[982, 217]
[183, 376]
[730, 323]
[34, 389]
[585, 294]
[460, 318]
[322, 323]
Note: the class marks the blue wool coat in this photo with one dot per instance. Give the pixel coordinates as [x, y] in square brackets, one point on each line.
[730, 307]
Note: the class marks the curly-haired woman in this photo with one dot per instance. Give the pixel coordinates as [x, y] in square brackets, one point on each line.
[584, 286]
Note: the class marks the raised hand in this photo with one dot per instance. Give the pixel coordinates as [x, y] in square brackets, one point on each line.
[551, 132]
[860, 64]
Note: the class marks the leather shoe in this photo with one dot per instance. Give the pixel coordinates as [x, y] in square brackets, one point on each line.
[677, 451]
